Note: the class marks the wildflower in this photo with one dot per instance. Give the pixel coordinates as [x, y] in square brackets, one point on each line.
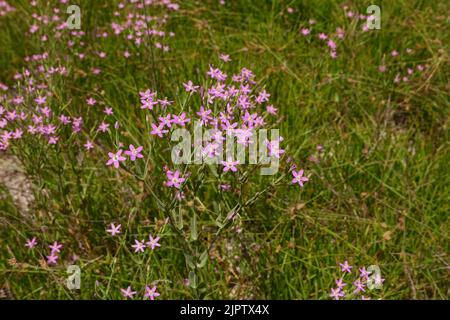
[138, 246]
[274, 147]
[305, 31]
[336, 293]
[134, 153]
[271, 109]
[40, 100]
[363, 273]
[359, 286]
[115, 158]
[158, 130]
[174, 179]
[189, 87]
[52, 259]
[378, 280]
[153, 242]
[151, 293]
[114, 229]
[230, 165]
[103, 127]
[128, 293]
[88, 145]
[225, 57]
[31, 243]
[91, 101]
[340, 283]
[108, 111]
[299, 178]
[345, 267]
[55, 247]
[181, 119]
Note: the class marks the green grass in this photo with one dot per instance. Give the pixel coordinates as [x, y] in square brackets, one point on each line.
[379, 195]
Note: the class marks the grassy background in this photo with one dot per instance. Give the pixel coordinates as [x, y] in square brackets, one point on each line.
[379, 195]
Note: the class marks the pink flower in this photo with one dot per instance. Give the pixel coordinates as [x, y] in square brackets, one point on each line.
[345, 267]
[230, 165]
[336, 293]
[151, 293]
[225, 57]
[55, 247]
[88, 145]
[103, 127]
[174, 179]
[153, 242]
[138, 246]
[299, 178]
[91, 101]
[52, 259]
[158, 130]
[189, 87]
[114, 229]
[305, 31]
[134, 153]
[31, 243]
[115, 158]
[108, 111]
[128, 293]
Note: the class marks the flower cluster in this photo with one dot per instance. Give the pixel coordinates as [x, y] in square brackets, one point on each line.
[116, 158]
[152, 243]
[150, 293]
[365, 282]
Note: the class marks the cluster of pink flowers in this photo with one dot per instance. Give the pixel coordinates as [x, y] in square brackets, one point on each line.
[404, 72]
[229, 105]
[30, 112]
[359, 285]
[136, 26]
[5, 8]
[150, 293]
[116, 158]
[152, 243]
[53, 257]
[330, 40]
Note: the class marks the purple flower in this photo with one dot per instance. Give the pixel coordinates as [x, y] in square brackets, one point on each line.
[134, 153]
[31, 243]
[230, 165]
[151, 293]
[55, 247]
[115, 158]
[114, 229]
[128, 293]
[153, 242]
[174, 179]
[345, 267]
[299, 178]
[138, 246]
[336, 293]
[52, 259]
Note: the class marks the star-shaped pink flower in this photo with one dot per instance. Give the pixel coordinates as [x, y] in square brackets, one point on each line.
[128, 293]
[138, 246]
[153, 242]
[134, 153]
[114, 229]
[151, 293]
